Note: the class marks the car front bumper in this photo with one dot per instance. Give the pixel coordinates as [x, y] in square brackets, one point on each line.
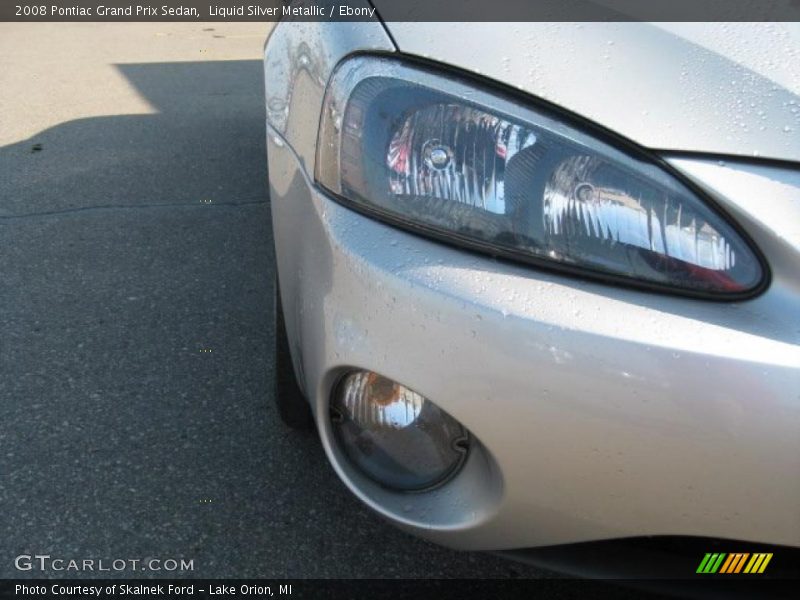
[601, 412]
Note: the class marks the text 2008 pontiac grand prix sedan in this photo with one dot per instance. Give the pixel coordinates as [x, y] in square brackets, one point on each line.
[539, 284]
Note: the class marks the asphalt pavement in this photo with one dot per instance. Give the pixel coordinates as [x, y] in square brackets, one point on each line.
[136, 277]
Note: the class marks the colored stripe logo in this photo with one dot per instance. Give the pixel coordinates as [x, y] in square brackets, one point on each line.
[736, 562]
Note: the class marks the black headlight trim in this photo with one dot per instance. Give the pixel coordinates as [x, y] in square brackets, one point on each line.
[570, 120]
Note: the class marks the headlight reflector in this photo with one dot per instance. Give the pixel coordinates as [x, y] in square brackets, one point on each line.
[437, 155]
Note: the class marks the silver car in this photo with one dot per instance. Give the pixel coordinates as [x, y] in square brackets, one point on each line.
[540, 282]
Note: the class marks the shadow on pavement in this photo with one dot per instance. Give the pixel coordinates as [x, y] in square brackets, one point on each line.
[205, 142]
[136, 325]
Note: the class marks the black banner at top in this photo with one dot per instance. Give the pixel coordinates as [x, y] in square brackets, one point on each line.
[400, 10]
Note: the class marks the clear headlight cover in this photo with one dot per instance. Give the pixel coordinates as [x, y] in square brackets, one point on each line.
[437, 155]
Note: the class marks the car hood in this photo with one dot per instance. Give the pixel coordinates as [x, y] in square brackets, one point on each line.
[722, 88]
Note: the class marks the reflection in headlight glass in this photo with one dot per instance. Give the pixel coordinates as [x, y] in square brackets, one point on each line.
[527, 186]
[455, 152]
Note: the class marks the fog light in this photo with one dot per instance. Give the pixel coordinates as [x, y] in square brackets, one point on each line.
[395, 436]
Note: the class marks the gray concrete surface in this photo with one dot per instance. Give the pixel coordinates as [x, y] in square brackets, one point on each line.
[135, 235]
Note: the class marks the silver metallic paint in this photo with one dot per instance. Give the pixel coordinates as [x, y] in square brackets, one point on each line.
[728, 88]
[299, 59]
[602, 412]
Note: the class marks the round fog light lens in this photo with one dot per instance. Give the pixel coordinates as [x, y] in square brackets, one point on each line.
[395, 436]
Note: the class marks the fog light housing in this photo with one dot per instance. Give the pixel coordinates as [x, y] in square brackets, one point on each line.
[395, 436]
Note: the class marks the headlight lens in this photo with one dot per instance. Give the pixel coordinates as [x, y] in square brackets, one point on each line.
[499, 176]
[395, 436]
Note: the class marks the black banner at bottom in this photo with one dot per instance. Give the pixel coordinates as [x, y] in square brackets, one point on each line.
[416, 589]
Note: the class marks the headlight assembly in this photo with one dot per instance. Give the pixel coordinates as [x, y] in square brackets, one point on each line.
[438, 155]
